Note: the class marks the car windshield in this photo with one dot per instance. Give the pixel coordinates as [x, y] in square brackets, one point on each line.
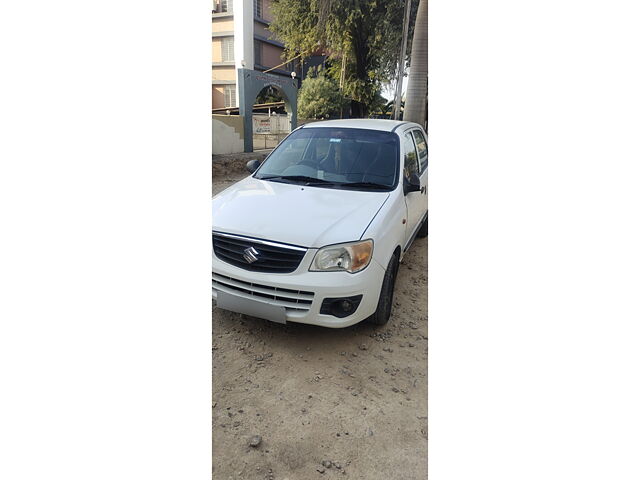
[335, 157]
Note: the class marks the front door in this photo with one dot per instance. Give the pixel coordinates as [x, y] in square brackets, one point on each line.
[423, 163]
[413, 200]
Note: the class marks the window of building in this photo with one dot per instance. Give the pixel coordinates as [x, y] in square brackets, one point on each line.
[257, 8]
[257, 52]
[229, 95]
[226, 6]
[227, 49]
[423, 152]
[410, 156]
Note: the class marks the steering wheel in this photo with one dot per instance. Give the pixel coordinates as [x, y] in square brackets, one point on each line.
[308, 163]
[300, 169]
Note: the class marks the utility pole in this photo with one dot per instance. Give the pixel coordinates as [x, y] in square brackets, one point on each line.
[403, 52]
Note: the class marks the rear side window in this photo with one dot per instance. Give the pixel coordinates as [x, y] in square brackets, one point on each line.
[423, 151]
[410, 156]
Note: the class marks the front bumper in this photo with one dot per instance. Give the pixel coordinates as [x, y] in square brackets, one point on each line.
[299, 294]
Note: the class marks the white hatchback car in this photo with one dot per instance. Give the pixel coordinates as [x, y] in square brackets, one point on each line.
[316, 233]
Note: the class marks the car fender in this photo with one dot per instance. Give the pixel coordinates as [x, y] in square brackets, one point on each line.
[388, 228]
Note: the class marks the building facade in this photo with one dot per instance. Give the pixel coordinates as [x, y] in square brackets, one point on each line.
[241, 39]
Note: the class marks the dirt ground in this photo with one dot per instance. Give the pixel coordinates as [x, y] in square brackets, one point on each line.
[327, 403]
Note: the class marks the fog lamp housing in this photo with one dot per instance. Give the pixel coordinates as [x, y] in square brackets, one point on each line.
[340, 307]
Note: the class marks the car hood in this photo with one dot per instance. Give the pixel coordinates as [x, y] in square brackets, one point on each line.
[295, 214]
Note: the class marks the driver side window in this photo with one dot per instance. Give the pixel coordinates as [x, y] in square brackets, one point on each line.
[423, 152]
[410, 156]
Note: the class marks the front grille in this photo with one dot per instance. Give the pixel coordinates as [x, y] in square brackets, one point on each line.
[283, 297]
[271, 257]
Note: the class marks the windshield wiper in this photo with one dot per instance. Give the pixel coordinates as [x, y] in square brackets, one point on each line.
[363, 185]
[296, 178]
[320, 181]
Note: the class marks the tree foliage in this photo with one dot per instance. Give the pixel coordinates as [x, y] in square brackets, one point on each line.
[319, 97]
[367, 32]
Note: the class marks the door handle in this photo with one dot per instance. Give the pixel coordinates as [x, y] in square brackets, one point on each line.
[423, 190]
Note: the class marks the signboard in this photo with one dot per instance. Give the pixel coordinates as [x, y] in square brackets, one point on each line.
[261, 125]
[274, 79]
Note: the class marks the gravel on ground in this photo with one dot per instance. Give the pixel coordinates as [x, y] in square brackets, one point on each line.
[303, 402]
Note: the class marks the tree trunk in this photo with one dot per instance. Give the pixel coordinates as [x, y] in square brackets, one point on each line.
[357, 109]
[415, 109]
[360, 109]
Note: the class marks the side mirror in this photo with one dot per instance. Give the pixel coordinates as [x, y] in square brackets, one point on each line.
[413, 184]
[252, 165]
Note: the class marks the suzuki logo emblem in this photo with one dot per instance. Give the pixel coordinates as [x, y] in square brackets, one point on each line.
[251, 255]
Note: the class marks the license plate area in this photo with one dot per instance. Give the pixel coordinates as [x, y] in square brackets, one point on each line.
[254, 308]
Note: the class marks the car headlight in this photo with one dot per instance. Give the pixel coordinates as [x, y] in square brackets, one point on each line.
[346, 257]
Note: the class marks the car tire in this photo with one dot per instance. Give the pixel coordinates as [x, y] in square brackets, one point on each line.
[385, 302]
[424, 228]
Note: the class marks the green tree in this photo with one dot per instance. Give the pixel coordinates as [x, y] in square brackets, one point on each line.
[367, 32]
[319, 97]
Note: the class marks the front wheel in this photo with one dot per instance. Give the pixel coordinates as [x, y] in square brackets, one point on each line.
[385, 302]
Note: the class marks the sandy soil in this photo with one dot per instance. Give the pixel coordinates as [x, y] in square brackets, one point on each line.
[348, 403]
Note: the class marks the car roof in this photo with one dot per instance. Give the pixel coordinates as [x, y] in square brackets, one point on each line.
[365, 123]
